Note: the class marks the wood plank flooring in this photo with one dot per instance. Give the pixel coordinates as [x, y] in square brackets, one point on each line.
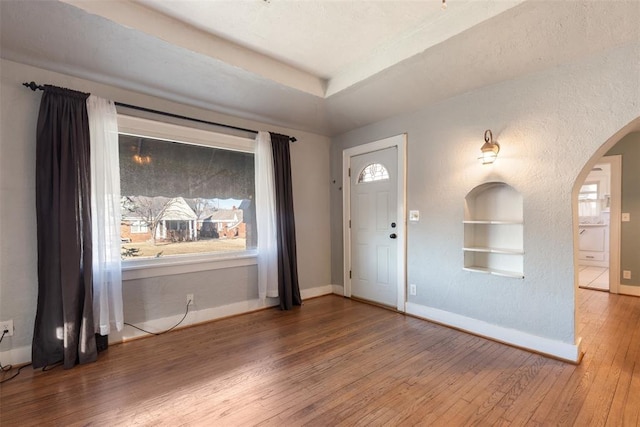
[341, 362]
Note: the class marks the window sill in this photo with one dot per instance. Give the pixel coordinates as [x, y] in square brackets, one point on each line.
[145, 268]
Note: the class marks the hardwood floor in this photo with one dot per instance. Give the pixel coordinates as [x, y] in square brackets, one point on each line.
[342, 362]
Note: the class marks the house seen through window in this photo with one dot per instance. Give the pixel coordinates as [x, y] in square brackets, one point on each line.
[180, 197]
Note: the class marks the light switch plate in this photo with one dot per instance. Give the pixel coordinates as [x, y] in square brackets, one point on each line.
[626, 217]
[414, 216]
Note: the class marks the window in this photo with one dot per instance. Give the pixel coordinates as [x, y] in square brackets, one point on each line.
[138, 227]
[588, 200]
[184, 191]
[373, 172]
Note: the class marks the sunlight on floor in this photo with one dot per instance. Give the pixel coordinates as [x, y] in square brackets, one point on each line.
[594, 278]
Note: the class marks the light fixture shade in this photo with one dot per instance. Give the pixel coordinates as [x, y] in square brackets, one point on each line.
[489, 150]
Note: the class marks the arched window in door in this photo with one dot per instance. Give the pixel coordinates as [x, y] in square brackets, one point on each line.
[373, 172]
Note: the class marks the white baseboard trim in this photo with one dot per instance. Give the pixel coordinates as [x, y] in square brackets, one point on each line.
[316, 292]
[629, 290]
[589, 263]
[22, 355]
[546, 346]
[16, 356]
[338, 290]
[194, 317]
[209, 314]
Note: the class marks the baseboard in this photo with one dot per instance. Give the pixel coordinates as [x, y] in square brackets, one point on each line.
[588, 263]
[338, 289]
[316, 292]
[22, 355]
[16, 356]
[208, 314]
[193, 318]
[556, 349]
[629, 290]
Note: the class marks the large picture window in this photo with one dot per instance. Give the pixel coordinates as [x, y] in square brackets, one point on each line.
[184, 191]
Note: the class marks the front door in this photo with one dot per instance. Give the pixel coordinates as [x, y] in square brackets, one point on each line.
[374, 226]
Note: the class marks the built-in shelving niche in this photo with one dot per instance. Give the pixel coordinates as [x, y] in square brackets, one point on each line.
[493, 230]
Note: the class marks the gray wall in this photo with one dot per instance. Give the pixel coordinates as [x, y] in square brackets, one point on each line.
[629, 148]
[149, 298]
[549, 125]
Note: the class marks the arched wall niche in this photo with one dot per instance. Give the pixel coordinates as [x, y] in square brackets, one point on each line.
[493, 230]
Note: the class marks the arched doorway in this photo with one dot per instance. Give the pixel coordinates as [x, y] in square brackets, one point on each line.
[601, 231]
[599, 208]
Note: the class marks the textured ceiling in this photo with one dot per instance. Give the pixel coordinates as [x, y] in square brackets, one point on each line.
[321, 66]
[320, 37]
[340, 42]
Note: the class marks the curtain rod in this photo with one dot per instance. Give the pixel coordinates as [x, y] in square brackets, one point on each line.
[34, 86]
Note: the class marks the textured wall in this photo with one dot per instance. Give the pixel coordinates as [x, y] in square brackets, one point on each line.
[629, 148]
[549, 124]
[149, 298]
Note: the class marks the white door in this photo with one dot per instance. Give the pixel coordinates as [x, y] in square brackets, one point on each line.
[374, 226]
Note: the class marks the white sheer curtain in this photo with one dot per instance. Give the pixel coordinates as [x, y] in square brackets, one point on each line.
[266, 218]
[105, 215]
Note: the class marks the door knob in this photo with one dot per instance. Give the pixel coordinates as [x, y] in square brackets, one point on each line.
[393, 235]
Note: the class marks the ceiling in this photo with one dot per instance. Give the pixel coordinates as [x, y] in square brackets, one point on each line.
[319, 37]
[338, 41]
[325, 66]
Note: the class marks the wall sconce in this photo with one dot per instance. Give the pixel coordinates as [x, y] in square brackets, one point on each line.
[489, 149]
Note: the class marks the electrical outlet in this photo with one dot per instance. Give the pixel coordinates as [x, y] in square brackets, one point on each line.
[626, 274]
[626, 217]
[190, 300]
[412, 290]
[7, 325]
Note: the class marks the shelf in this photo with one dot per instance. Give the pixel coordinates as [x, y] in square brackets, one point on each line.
[492, 222]
[493, 230]
[503, 273]
[493, 250]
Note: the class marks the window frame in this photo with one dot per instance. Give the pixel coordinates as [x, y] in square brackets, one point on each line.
[588, 193]
[155, 267]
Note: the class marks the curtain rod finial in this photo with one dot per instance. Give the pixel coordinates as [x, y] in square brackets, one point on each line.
[33, 86]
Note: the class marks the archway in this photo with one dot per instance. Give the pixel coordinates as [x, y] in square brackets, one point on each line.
[629, 133]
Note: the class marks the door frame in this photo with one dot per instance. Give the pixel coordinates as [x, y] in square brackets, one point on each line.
[615, 215]
[399, 141]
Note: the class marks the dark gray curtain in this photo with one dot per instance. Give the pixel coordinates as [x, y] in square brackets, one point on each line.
[64, 329]
[288, 288]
